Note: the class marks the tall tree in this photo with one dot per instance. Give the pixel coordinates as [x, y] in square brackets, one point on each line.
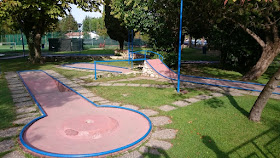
[68, 23]
[260, 20]
[159, 19]
[270, 44]
[95, 24]
[115, 27]
[35, 17]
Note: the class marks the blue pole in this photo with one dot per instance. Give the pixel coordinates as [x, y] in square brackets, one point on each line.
[95, 70]
[180, 39]
[132, 39]
[128, 46]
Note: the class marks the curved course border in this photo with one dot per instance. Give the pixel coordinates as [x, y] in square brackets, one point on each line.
[75, 155]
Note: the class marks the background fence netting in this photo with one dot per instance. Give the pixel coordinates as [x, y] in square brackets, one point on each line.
[58, 43]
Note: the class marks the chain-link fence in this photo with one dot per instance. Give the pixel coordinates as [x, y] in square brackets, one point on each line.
[57, 43]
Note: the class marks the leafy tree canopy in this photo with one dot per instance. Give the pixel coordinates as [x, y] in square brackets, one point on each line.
[67, 24]
[35, 17]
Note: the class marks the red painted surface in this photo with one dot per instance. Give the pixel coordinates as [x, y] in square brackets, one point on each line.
[75, 126]
[100, 67]
[165, 71]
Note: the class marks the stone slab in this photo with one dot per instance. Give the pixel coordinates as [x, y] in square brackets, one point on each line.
[144, 149]
[181, 103]
[83, 91]
[114, 104]
[12, 82]
[6, 145]
[217, 94]
[160, 121]
[16, 88]
[192, 100]
[21, 91]
[154, 151]
[146, 85]
[10, 132]
[88, 95]
[26, 110]
[105, 84]
[27, 115]
[96, 99]
[104, 102]
[23, 99]
[131, 107]
[133, 85]
[203, 97]
[23, 121]
[164, 134]
[134, 154]
[149, 112]
[16, 85]
[22, 104]
[20, 95]
[14, 154]
[167, 108]
[159, 144]
[11, 75]
[119, 84]
[92, 84]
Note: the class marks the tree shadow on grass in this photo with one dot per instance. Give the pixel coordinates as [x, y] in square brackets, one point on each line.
[215, 103]
[211, 144]
[237, 106]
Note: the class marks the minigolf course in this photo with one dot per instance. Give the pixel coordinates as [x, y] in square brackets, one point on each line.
[164, 71]
[99, 67]
[73, 126]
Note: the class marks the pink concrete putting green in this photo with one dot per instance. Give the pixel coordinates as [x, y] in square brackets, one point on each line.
[99, 67]
[72, 126]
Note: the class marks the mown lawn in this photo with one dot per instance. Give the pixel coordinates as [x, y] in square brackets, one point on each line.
[218, 127]
[143, 97]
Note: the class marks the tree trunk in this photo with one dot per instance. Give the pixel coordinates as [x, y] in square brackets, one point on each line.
[34, 46]
[190, 41]
[121, 43]
[256, 111]
[270, 51]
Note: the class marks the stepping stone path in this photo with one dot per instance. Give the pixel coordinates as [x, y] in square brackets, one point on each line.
[7, 145]
[167, 108]
[25, 109]
[15, 154]
[10, 132]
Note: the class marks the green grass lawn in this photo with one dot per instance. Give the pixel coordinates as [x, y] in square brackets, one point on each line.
[217, 127]
[143, 97]
[191, 54]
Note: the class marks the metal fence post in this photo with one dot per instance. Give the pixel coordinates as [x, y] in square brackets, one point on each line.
[95, 70]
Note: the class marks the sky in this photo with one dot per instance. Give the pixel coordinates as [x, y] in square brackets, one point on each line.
[80, 15]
